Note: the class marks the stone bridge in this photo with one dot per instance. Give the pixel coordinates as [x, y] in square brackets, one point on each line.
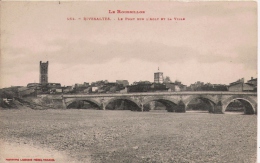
[174, 101]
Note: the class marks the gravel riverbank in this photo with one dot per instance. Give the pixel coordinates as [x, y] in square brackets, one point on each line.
[125, 136]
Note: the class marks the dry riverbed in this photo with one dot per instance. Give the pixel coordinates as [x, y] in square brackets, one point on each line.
[125, 136]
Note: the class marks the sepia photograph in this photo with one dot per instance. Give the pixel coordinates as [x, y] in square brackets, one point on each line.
[128, 81]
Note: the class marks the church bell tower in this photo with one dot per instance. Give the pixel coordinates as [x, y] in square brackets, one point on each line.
[158, 77]
[44, 72]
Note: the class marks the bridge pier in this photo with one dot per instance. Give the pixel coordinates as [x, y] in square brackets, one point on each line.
[63, 103]
[212, 108]
[142, 107]
[180, 108]
[218, 109]
[103, 106]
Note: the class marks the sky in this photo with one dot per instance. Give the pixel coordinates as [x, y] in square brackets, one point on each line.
[216, 43]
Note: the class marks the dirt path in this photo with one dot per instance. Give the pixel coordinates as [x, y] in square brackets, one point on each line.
[15, 152]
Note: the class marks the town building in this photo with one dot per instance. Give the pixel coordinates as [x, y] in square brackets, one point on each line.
[175, 87]
[172, 87]
[141, 82]
[253, 81]
[34, 85]
[126, 90]
[53, 85]
[240, 86]
[139, 87]
[94, 89]
[81, 87]
[88, 90]
[68, 89]
[158, 87]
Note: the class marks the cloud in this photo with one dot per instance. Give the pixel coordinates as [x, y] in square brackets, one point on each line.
[85, 52]
[68, 55]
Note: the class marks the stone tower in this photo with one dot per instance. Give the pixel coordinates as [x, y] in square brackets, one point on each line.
[158, 77]
[44, 72]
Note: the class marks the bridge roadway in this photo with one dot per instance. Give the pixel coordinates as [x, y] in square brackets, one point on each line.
[174, 101]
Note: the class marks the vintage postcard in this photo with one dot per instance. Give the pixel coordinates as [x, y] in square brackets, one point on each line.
[128, 81]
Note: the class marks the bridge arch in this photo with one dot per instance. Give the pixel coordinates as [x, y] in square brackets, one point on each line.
[249, 104]
[174, 101]
[91, 101]
[209, 98]
[167, 102]
[205, 98]
[122, 98]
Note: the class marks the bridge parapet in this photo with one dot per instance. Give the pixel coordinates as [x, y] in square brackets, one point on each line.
[162, 93]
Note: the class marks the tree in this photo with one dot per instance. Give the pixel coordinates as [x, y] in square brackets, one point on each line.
[167, 79]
